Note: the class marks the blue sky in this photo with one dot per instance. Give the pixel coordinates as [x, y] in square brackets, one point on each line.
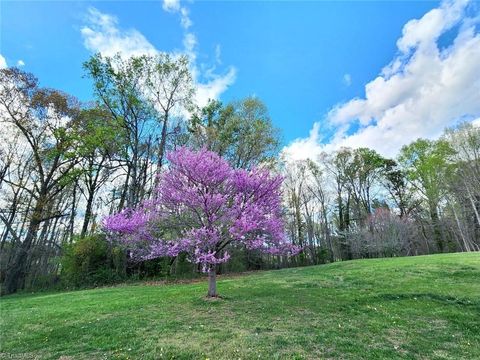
[302, 58]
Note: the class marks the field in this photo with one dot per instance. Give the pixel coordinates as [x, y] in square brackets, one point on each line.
[425, 307]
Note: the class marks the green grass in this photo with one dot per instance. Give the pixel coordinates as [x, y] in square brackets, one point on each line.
[424, 307]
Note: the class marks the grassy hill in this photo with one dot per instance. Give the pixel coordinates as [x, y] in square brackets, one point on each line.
[424, 307]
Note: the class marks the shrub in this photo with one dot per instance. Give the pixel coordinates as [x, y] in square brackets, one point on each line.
[92, 261]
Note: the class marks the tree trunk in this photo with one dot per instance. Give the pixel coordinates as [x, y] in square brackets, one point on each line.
[327, 232]
[472, 202]
[437, 233]
[212, 282]
[124, 192]
[88, 213]
[161, 147]
[16, 274]
[73, 212]
[457, 220]
[11, 218]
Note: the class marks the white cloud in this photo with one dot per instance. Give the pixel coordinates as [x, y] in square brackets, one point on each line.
[302, 149]
[424, 32]
[423, 90]
[173, 6]
[103, 34]
[20, 63]
[3, 62]
[215, 86]
[347, 79]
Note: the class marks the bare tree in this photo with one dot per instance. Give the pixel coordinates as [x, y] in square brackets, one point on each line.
[45, 120]
[168, 86]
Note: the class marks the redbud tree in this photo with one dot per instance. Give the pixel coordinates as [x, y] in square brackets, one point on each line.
[202, 207]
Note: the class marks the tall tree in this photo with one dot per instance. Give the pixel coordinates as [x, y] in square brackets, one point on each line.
[102, 138]
[296, 201]
[362, 173]
[119, 87]
[400, 191]
[427, 165]
[46, 121]
[318, 188]
[168, 85]
[464, 184]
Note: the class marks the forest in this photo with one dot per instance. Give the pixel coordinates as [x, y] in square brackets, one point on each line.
[65, 165]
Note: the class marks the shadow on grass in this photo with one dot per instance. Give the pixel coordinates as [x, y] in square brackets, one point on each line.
[444, 299]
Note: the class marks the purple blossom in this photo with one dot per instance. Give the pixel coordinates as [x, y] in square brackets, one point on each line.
[201, 206]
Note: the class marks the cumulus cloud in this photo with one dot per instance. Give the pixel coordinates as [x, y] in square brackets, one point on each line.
[427, 87]
[3, 62]
[20, 63]
[302, 149]
[102, 33]
[347, 79]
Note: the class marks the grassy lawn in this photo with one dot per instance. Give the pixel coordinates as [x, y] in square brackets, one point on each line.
[424, 307]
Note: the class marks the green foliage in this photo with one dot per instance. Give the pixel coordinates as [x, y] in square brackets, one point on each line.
[99, 133]
[182, 267]
[241, 132]
[427, 165]
[323, 256]
[92, 261]
[423, 307]
[116, 84]
[243, 259]
[358, 172]
[428, 168]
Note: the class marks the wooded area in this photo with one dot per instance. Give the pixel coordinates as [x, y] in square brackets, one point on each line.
[65, 165]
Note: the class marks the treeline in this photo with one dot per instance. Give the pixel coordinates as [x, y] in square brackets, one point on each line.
[354, 203]
[64, 165]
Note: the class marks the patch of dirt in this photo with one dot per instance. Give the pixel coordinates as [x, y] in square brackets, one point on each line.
[213, 298]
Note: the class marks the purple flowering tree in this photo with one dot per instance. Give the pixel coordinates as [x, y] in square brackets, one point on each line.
[202, 206]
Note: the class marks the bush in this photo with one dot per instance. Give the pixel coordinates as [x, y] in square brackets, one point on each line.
[92, 261]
